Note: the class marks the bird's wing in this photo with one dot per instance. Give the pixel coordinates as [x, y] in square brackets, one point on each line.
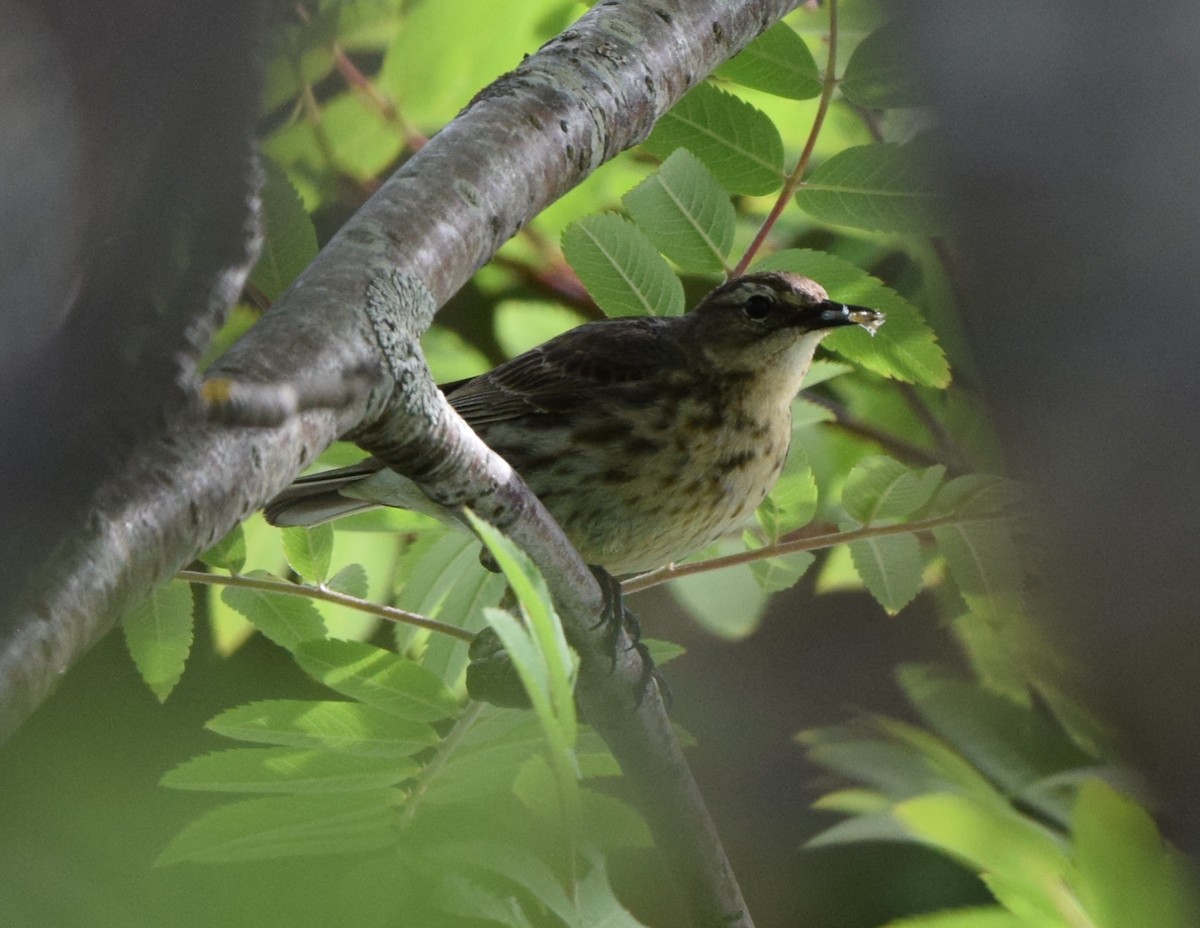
[556, 376]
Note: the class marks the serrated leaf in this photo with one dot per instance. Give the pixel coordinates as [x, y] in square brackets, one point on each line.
[1012, 850]
[538, 648]
[982, 557]
[287, 770]
[158, 633]
[778, 62]
[736, 141]
[1014, 745]
[899, 760]
[904, 347]
[378, 678]
[229, 553]
[685, 212]
[792, 502]
[882, 187]
[880, 489]
[880, 73]
[890, 566]
[351, 580]
[775, 574]
[1127, 875]
[285, 619]
[340, 727]
[290, 242]
[977, 493]
[309, 550]
[621, 269]
[287, 826]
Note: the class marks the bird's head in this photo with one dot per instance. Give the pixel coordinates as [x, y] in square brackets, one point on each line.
[769, 324]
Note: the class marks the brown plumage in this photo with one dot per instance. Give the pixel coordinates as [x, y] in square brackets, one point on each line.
[646, 438]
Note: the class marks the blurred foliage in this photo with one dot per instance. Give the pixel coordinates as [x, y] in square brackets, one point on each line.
[452, 813]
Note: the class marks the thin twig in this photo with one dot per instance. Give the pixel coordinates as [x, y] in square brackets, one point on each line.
[794, 179]
[794, 542]
[270, 585]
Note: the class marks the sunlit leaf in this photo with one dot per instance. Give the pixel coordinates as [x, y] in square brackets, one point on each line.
[290, 242]
[341, 727]
[287, 770]
[285, 619]
[890, 566]
[158, 633]
[882, 187]
[288, 826]
[736, 141]
[1127, 874]
[621, 269]
[309, 550]
[777, 62]
[377, 677]
[880, 489]
[685, 212]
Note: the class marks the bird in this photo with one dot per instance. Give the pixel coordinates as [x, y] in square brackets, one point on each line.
[647, 438]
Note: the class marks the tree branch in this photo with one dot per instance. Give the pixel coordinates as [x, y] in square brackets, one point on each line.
[361, 306]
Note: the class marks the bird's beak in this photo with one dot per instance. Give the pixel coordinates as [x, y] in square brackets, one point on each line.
[833, 314]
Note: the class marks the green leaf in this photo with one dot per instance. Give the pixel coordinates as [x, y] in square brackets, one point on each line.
[891, 568]
[880, 73]
[985, 917]
[880, 489]
[537, 647]
[291, 240]
[727, 602]
[378, 678]
[229, 553]
[903, 348]
[982, 557]
[1014, 745]
[524, 324]
[1014, 852]
[621, 269]
[351, 580]
[158, 633]
[777, 62]
[287, 770]
[792, 502]
[977, 493]
[736, 141]
[684, 211]
[1127, 875]
[881, 187]
[340, 727]
[775, 574]
[309, 550]
[285, 619]
[288, 826]
[897, 759]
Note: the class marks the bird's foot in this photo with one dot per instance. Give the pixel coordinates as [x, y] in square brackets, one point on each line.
[617, 617]
[492, 678]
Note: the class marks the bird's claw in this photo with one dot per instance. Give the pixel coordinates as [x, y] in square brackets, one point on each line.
[617, 617]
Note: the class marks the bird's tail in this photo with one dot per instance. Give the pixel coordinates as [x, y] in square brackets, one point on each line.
[318, 498]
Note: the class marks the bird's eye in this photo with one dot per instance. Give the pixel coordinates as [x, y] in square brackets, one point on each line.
[757, 308]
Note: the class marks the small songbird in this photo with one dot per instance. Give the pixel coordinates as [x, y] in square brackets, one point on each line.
[646, 438]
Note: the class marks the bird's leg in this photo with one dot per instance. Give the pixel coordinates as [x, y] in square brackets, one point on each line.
[492, 678]
[616, 616]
